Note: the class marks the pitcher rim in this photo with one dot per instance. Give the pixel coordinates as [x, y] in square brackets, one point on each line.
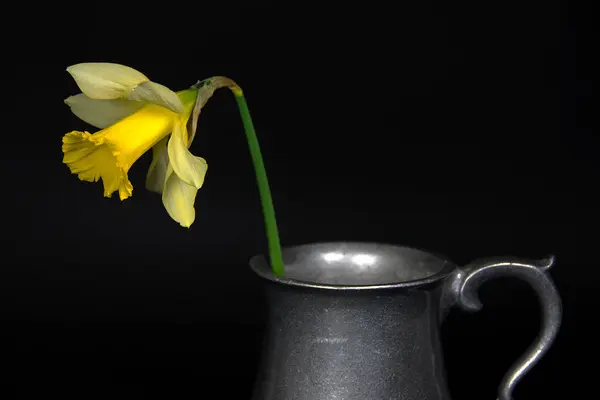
[258, 263]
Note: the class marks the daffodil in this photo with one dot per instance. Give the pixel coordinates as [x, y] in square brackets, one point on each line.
[135, 115]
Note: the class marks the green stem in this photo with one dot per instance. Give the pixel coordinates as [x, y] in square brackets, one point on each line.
[263, 185]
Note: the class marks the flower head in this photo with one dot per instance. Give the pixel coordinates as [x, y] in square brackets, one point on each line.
[135, 115]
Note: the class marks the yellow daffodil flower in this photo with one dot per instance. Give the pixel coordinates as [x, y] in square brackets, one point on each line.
[135, 115]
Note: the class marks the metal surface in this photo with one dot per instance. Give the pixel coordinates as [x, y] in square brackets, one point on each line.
[467, 283]
[360, 321]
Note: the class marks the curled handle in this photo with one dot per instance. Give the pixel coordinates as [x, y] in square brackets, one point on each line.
[466, 286]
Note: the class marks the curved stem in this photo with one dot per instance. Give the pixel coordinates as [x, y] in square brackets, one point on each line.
[206, 89]
[263, 185]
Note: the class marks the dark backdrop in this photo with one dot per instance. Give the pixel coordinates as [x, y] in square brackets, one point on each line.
[465, 129]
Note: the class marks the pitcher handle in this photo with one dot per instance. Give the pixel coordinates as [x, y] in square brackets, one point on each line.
[465, 287]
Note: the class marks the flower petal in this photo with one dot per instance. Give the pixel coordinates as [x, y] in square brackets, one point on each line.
[178, 198]
[106, 80]
[205, 92]
[155, 179]
[189, 168]
[101, 113]
[158, 94]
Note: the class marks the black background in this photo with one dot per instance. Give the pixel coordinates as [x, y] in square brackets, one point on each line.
[464, 128]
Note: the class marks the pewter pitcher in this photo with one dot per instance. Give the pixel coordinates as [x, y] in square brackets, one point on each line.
[360, 321]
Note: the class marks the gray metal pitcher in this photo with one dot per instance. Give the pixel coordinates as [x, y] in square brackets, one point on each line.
[360, 321]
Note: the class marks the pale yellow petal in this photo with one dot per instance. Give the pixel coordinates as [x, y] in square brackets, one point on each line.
[106, 80]
[178, 198]
[158, 94]
[101, 113]
[189, 168]
[155, 179]
[204, 94]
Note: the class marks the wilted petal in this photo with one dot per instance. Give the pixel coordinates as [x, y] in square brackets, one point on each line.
[158, 94]
[106, 80]
[205, 92]
[101, 113]
[178, 198]
[155, 179]
[206, 89]
[189, 168]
